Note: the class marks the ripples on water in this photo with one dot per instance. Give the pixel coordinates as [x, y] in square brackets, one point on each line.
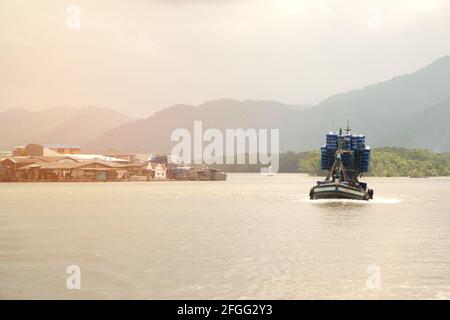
[376, 200]
[248, 237]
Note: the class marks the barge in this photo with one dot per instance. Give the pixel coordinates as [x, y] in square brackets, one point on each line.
[177, 171]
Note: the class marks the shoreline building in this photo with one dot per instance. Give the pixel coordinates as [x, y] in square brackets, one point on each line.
[64, 148]
[39, 150]
[157, 171]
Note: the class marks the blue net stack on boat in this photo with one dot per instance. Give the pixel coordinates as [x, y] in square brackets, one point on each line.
[361, 141]
[365, 159]
[325, 158]
[332, 141]
[356, 155]
[347, 142]
[347, 158]
[354, 141]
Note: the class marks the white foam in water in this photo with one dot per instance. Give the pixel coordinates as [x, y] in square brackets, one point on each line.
[385, 200]
[377, 200]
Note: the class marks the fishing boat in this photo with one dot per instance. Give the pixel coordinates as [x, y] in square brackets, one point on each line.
[209, 174]
[177, 171]
[219, 175]
[346, 158]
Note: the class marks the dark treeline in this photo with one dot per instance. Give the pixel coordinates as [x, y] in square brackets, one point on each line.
[385, 162]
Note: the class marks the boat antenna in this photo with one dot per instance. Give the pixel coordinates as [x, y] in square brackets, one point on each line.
[347, 130]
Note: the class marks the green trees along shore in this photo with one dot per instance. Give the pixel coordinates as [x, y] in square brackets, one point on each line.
[385, 162]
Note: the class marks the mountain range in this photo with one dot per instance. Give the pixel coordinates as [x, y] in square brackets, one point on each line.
[411, 110]
[57, 125]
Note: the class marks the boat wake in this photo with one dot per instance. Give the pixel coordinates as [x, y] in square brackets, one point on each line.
[385, 200]
[375, 200]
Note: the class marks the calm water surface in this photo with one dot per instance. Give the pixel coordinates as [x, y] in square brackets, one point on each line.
[250, 237]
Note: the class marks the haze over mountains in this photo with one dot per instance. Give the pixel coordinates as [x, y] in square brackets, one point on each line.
[56, 125]
[411, 110]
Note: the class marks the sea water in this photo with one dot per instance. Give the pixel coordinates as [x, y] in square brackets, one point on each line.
[250, 237]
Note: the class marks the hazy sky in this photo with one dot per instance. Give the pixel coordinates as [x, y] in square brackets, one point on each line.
[138, 56]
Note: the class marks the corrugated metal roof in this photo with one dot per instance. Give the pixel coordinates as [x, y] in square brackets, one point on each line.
[153, 166]
[61, 146]
[114, 152]
[27, 159]
[50, 153]
[83, 156]
[70, 165]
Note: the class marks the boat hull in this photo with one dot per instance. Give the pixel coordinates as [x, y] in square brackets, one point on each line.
[337, 191]
[220, 176]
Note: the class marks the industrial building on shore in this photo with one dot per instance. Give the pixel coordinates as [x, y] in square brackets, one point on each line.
[67, 163]
[63, 162]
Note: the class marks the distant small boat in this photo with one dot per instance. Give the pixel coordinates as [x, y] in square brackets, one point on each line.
[177, 171]
[219, 175]
[208, 174]
[268, 173]
[418, 177]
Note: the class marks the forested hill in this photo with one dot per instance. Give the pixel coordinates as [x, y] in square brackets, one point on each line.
[388, 162]
[385, 162]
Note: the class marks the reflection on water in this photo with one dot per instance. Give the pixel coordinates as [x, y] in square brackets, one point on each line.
[342, 212]
[375, 200]
[341, 205]
[248, 237]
